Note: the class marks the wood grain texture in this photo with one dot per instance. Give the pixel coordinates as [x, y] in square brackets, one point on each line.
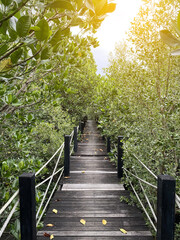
[93, 193]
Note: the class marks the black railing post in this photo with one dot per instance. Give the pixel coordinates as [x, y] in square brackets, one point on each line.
[75, 140]
[108, 144]
[27, 206]
[165, 207]
[120, 160]
[66, 155]
[81, 127]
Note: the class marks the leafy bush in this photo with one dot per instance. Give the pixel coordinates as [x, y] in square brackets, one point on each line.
[49, 132]
[139, 99]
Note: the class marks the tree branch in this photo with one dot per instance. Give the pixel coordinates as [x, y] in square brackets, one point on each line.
[9, 53]
[13, 13]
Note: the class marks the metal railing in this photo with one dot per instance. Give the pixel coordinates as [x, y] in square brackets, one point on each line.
[165, 190]
[50, 188]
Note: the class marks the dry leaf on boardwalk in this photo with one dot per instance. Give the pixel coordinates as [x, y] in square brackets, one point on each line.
[82, 221]
[57, 200]
[104, 222]
[52, 236]
[67, 177]
[123, 230]
[83, 171]
[49, 225]
[55, 211]
[101, 150]
[46, 234]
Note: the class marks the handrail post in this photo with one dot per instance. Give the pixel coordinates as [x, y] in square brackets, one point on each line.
[120, 155]
[108, 144]
[66, 155]
[81, 127]
[165, 207]
[27, 206]
[75, 139]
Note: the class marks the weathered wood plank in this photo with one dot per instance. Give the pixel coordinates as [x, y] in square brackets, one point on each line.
[95, 233]
[100, 238]
[104, 214]
[96, 220]
[89, 186]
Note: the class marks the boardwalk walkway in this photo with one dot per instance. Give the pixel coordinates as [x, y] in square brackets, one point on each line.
[93, 193]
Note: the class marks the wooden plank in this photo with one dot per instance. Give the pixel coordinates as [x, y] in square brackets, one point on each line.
[91, 179]
[100, 238]
[91, 144]
[96, 233]
[94, 187]
[95, 220]
[95, 172]
[104, 214]
[60, 227]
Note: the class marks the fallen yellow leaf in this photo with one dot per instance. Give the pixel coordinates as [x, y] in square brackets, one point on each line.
[123, 231]
[83, 171]
[104, 222]
[82, 221]
[55, 211]
[52, 236]
[67, 177]
[49, 225]
[101, 150]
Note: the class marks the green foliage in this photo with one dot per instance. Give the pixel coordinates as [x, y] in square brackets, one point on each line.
[139, 99]
[49, 131]
[23, 25]
[15, 56]
[43, 32]
[62, 4]
[44, 74]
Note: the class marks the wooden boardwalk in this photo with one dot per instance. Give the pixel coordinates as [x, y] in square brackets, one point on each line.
[93, 193]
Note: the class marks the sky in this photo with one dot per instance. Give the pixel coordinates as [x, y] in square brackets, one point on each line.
[113, 30]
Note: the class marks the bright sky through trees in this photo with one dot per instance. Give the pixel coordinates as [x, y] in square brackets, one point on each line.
[113, 30]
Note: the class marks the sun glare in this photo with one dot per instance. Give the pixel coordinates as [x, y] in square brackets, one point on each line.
[113, 30]
[115, 25]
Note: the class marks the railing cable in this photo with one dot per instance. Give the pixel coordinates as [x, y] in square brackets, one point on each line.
[177, 199]
[62, 145]
[9, 218]
[132, 154]
[49, 182]
[50, 178]
[71, 135]
[147, 199]
[9, 201]
[140, 179]
[41, 183]
[44, 209]
[141, 203]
